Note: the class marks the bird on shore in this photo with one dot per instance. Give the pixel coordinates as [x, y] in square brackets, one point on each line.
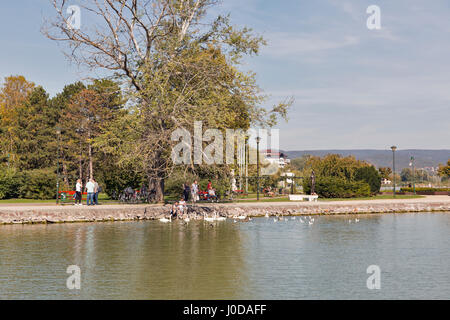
[267, 215]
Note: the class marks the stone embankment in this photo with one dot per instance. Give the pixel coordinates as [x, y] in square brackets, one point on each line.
[68, 214]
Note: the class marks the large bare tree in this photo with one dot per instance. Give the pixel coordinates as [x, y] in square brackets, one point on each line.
[179, 67]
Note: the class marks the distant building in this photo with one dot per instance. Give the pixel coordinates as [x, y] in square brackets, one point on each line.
[276, 157]
[385, 181]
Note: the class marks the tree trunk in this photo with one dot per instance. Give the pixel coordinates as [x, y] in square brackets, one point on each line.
[91, 167]
[156, 188]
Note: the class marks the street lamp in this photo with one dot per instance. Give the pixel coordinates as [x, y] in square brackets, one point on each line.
[414, 173]
[246, 162]
[58, 132]
[258, 139]
[393, 164]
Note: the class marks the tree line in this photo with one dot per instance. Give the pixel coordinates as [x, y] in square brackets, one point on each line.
[169, 64]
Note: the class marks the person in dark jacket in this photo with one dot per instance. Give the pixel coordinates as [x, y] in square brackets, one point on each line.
[186, 191]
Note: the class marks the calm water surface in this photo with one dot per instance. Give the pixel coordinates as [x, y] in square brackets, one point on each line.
[256, 260]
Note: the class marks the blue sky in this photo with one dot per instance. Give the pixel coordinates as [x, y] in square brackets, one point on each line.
[354, 87]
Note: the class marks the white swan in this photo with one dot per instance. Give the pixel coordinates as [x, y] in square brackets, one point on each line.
[165, 220]
[187, 219]
[242, 217]
[206, 218]
[267, 215]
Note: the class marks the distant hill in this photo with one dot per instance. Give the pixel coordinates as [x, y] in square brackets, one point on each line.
[383, 158]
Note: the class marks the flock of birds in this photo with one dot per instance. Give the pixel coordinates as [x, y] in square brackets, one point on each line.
[242, 218]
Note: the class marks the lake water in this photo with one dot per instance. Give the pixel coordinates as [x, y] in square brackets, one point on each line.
[261, 259]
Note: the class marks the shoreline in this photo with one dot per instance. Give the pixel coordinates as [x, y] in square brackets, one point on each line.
[17, 214]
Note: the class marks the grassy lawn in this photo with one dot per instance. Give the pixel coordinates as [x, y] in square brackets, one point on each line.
[104, 200]
[378, 197]
[26, 201]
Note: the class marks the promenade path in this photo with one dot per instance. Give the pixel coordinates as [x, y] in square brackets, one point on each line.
[36, 207]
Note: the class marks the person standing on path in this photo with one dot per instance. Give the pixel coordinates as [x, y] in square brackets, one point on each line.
[90, 187]
[186, 191]
[78, 195]
[194, 192]
[96, 192]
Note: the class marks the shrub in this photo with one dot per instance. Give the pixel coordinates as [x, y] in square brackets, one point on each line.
[334, 187]
[370, 175]
[421, 189]
[38, 184]
[9, 183]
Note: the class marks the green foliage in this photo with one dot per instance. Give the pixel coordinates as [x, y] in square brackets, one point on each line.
[385, 172]
[341, 177]
[31, 184]
[444, 171]
[9, 183]
[334, 165]
[407, 174]
[300, 163]
[371, 176]
[117, 179]
[335, 187]
[424, 189]
[38, 184]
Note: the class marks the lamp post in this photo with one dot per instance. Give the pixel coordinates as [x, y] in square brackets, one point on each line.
[58, 132]
[393, 148]
[246, 162]
[414, 174]
[258, 139]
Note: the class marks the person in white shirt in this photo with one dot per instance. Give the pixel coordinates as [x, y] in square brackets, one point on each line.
[90, 188]
[194, 192]
[78, 194]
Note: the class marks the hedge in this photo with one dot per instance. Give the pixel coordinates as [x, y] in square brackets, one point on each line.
[334, 187]
[425, 189]
[32, 184]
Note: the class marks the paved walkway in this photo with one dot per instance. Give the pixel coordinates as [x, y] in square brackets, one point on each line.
[39, 207]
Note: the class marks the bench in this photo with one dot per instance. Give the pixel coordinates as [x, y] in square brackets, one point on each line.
[69, 196]
[301, 197]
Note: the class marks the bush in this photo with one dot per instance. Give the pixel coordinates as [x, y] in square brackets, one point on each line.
[425, 189]
[38, 184]
[371, 176]
[9, 183]
[334, 187]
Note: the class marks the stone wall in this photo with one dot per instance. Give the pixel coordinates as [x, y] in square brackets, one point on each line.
[128, 213]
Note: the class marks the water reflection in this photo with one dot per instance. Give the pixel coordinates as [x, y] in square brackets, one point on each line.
[256, 260]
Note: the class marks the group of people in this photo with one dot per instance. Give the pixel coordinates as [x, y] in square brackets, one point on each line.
[194, 190]
[92, 188]
[189, 191]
